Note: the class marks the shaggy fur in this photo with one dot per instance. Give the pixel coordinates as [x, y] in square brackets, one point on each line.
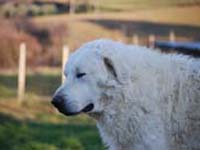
[143, 100]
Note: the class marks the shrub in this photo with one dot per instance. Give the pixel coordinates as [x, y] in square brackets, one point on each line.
[34, 10]
[22, 10]
[48, 9]
[10, 39]
[8, 10]
[43, 44]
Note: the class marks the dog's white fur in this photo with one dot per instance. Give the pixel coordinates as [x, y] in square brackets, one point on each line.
[143, 100]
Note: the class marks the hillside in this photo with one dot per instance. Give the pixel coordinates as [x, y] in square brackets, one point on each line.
[185, 21]
[132, 5]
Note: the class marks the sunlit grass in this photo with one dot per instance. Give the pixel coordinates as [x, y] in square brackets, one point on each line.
[184, 21]
[132, 5]
[171, 15]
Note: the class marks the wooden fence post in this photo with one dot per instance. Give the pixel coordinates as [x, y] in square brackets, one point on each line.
[152, 40]
[22, 72]
[172, 36]
[96, 5]
[65, 54]
[124, 32]
[135, 39]
[72, 7]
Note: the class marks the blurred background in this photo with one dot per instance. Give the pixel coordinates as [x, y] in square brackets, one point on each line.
[42, 29]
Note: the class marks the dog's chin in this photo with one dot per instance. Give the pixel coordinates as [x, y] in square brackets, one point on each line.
[86, 109]
[68, 113]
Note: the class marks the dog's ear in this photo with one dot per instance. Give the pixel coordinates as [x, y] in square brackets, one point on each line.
[110, 67]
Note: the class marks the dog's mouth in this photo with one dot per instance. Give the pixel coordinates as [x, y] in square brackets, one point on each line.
[86, 109]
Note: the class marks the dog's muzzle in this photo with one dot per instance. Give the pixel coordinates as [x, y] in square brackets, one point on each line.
[59, 103]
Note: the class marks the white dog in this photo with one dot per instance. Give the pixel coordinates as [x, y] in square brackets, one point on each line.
[141, 99]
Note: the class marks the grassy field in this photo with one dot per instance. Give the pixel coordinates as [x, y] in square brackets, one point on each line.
[132, 5]
[172, 15]
[35, 124]
[184, 21]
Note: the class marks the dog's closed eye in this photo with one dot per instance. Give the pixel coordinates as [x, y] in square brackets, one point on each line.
[80, 75]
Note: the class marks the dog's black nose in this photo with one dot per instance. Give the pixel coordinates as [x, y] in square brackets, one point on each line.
[58, 101]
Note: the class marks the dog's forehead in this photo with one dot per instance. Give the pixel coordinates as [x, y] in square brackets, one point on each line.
[82, 59]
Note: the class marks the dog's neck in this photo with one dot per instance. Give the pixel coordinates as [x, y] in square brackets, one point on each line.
[120, 128]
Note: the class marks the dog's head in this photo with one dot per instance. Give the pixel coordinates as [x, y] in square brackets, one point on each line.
[89, 75]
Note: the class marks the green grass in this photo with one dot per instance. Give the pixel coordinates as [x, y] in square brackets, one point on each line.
[28, 135]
